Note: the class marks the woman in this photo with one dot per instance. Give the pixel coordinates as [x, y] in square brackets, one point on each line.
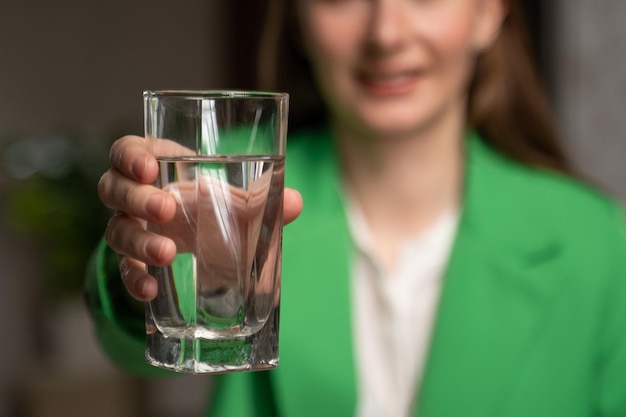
[446, 264]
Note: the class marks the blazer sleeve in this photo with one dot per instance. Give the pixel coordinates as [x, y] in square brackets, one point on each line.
[611, 387]
[244, 394]
[118, 319]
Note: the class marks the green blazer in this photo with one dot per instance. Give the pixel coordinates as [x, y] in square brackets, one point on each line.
[531, 321]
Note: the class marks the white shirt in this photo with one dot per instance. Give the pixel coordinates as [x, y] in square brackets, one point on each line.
[393, 313]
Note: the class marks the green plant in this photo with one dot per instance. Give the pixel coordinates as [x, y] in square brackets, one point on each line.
[52, 199]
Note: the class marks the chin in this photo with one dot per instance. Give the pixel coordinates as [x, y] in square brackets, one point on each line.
[393, 123]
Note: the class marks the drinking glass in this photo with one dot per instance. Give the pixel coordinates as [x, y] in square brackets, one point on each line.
[221, 155]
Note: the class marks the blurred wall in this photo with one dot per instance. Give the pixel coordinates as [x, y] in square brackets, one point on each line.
[84, 63]
[588, 60]
[80, 66]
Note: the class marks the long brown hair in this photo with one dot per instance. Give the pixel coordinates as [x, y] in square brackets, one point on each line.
[507, 104]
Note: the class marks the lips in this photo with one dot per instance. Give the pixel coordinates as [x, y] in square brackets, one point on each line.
[389, 82]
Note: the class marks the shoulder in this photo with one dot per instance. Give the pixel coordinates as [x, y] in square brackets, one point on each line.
[589, 219]
[311, 159]
[309, 144]
[561, 197]
[534, 204]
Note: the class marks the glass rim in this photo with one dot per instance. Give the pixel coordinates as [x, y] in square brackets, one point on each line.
[215, 94]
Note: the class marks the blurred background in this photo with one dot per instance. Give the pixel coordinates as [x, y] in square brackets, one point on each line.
[71, 77]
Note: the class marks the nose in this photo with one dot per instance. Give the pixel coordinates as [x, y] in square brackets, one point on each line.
[388, 28]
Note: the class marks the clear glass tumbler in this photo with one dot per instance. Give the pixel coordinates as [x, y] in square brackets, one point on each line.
[222, 156]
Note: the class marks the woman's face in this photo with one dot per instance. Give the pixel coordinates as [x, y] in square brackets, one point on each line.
[396, 67]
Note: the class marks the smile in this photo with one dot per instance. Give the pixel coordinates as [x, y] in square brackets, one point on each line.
[389, 83]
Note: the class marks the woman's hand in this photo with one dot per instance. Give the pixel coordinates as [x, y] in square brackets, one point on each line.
[126, 187]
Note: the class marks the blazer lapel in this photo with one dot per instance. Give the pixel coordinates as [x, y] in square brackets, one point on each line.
[498, 291]
[316, 376]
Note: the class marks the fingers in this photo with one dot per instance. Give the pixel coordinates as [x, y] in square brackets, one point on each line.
[138, 283]
[126, 236]
[136, 247]
[292, 205]
[126, 188]
[144, 201]
[135, 157]
[132, 157]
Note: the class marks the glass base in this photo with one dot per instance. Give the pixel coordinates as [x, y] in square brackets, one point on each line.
[199, 356]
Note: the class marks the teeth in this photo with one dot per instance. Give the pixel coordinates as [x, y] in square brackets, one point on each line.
[388, 78]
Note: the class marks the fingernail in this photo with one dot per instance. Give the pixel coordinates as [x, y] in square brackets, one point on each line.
[154, 206]
[138, 168]
[140, 288]
[154, 249]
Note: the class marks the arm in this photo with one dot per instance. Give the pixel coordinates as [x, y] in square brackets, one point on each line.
[255, 387]
[118, 318]
[611, 375]
[116, 299]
